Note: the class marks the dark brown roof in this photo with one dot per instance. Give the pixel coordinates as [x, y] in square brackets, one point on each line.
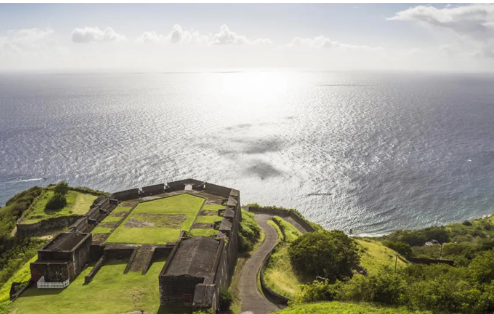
[194, 257]
[65, 242]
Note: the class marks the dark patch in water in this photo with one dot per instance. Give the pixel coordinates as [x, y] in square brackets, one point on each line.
[262, 146]
[239, 126]
[263, 170]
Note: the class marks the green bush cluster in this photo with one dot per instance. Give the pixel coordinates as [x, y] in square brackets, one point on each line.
[249, 232]
[330, 254]
[58, 200]
[419, 237]
[402, 248]
[15, 251]
[226, 300]
[461, 242]
[437, 288]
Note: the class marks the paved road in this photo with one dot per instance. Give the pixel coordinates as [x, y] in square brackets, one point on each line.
[252, 300]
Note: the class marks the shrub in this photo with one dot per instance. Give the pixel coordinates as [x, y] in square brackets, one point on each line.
[402, 248]
[249, 232]
[331, 254]
[57, 201]
[467, 223]
[482, 267]
[62, 188]
[226, 300]
[317, 291]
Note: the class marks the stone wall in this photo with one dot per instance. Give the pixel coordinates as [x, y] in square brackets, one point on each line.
[52, 271]
[175, 287]
[45, 225]
[283, 213]
[180, 185]
[217, 190]
[154, 189]
[429, 261]
[126, 195]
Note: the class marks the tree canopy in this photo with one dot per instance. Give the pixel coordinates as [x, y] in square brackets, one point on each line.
[330, 254]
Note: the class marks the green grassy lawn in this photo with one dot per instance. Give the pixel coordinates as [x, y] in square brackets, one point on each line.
[376, 255]
[98, 230]
[23, 274]
[109, 292]
[345, 308]
[112, 219]
[212, 207]
[120, 209]
[208, 219]
[280, 275]
[203, 232]
[179, 204]
[184, 204]
[77, 204]
[144, 235]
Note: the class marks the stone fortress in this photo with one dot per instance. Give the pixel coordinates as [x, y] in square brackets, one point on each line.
[193, 224]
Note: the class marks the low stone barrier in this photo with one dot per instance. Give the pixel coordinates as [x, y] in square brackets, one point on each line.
[15, 291]
[428, 261]
[270, 294]
[45, 225]
[283, 213]
[94, 271]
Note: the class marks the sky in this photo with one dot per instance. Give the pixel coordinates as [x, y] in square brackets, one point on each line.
[229, 37]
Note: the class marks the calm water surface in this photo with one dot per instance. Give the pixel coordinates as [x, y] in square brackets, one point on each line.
[372, 152]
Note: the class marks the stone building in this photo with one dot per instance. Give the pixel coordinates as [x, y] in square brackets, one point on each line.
[193, 264]
[62, 259]
[196, 268]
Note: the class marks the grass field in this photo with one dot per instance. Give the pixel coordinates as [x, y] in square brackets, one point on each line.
[376, 255]
[109, 292]
[208, 219]
[77, 204]
[212, 207]
[344, 308]
[279, 274]
[136, 229]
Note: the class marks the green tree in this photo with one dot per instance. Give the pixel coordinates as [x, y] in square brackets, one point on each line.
[482, 267]
[402, 248]
[57, 201]
[62, 188]
[331, 254]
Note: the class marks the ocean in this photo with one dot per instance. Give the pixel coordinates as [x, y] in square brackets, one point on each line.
[372, 152]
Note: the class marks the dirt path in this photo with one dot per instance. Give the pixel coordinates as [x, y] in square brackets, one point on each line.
[252, 300]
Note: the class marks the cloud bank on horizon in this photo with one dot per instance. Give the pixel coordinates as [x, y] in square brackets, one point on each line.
[459, 38]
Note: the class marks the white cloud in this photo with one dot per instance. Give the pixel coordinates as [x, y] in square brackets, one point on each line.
[176, 36]
[324, 42]
[95, 34]
[150, 37]
[180, 36]
[33, 42]
[228, 37]
[474, 23]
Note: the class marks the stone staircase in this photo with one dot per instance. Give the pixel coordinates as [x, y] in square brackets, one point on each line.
[142, 259]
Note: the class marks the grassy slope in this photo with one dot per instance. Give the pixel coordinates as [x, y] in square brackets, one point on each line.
[110, 292]
[344, 308]
[180, 204]
[377, 255]
[77, 204]
[279, 274]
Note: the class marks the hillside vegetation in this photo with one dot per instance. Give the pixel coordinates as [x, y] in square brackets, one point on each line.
[279, 274]
[344, 308]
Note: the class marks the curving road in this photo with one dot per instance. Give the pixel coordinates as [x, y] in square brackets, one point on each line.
[252, 300]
